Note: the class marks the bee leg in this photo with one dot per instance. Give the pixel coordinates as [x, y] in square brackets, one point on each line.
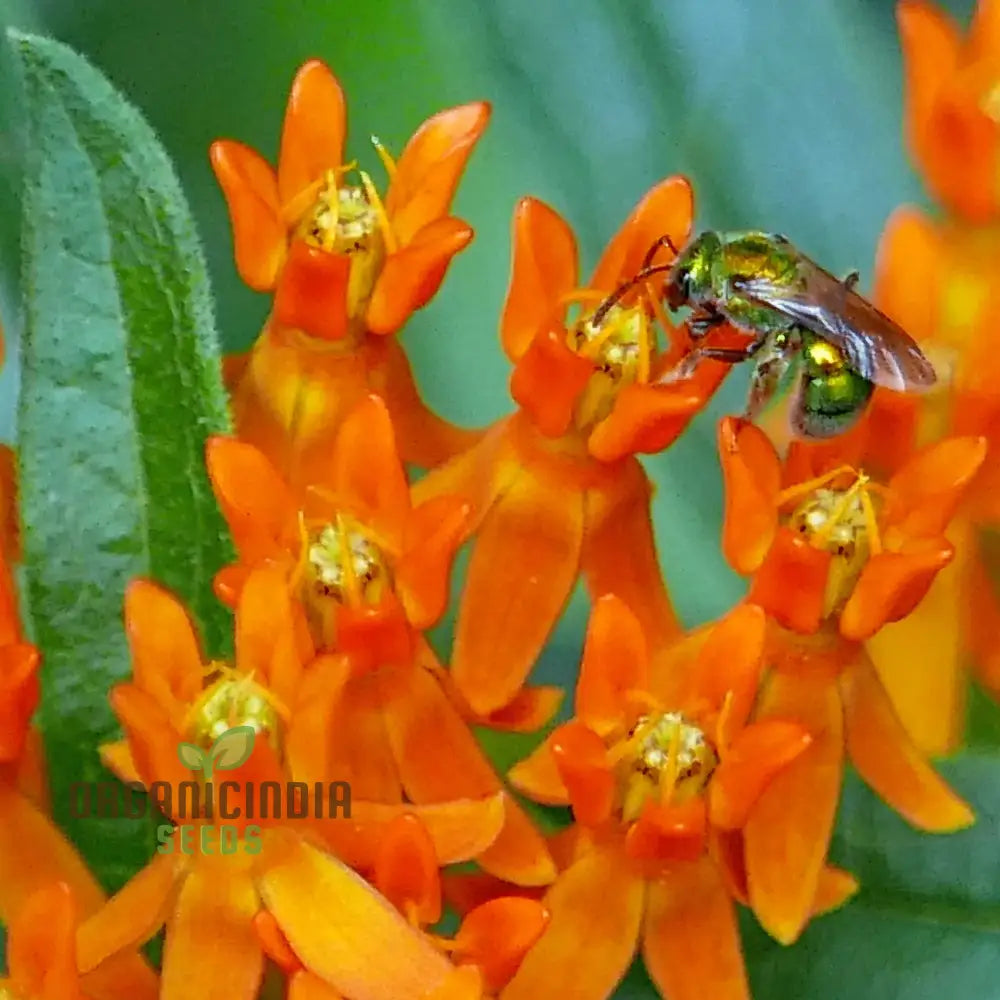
[703, 320]
[851, 279]
[730, 355]
[663, 241]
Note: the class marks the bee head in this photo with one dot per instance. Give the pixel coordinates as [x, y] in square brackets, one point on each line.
[690, 278]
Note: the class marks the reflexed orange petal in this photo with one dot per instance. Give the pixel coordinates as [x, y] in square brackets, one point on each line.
[887, 759]
[599, 901]
[312, 292]
[510, 605]
[431, 537]
[790, 585]
[648, 418]
[548, 379]
[430, 167]
[891, 585]
[166, 660]
[34, 853]
[788, 831]
[519, 854]
[19, 693]
[211, 948]
[665, 210]
[835, 888]
[305, 986]
[274, 943]
[258, 506]
[343, 930]
[10, 527]
[615, 663]
[497, 935]
[312, 137]
[151, 737]
[543, 270]
[757, 754]
[41, 952]
[367, 478]
[406, 870]
[10, 621]
[133, 914]
[538, 777]
[582, 762]
[931, 44]
[251, 192]
[690, 940]
[751, 473]
[619, 552]
[422, 437]
[531, 709]
[410, 277]
[925, 493]
[729, 665]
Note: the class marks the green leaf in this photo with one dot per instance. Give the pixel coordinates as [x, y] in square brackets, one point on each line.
[120, 386]
[192, 756]
[233, 748]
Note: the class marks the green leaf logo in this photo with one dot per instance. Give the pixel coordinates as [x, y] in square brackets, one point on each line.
[193, 757]
[232, 748]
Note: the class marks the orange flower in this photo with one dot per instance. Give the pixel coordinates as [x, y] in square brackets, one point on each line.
[33, 851]
[952, 105]
[662, 770]
[345, 267]
[274, 694]
[556, 489]
[371, 572]
[834, 557]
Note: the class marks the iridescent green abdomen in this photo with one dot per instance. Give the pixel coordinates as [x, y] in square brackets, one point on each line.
[833, 396]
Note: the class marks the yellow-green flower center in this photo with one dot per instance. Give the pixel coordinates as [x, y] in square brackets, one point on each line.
[346, 565]
[616, 344]
[664, 757]
[342, 219]
[229, 700]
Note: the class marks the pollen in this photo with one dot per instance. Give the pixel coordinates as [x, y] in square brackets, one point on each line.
[342, 219]
[233, 699]
[347, 565]
[664, 757]
[618, 345]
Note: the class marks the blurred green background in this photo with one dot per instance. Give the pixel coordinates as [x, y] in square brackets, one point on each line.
[785, 114]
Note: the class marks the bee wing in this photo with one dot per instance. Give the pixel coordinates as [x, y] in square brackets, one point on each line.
[875, 347]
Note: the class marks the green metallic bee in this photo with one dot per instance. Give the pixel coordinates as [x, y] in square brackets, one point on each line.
[813, 335]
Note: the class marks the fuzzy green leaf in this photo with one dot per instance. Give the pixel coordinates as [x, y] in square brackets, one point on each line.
[121, 385]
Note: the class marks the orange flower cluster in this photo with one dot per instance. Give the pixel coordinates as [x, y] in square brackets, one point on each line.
[702, 767]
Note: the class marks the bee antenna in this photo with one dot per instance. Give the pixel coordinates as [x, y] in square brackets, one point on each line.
[622, 290]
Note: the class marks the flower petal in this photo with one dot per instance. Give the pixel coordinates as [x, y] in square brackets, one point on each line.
[411, 277]
[510, 605]
[312, 292]
[891, 585]
[463, 983]
[759, 753]
[531, 709]
[497, 935]
[430, 167]
[599, 900]
[538, 777]
[582, 762]
[615, 662]
[151, 737]
[788, 831]
[133, 914]
[548, 379]
[305, 986]
[790, 585]
[342, 929]
[211, 949]
[690, 940]
[925, 493]
[166, 660]
[619, 552]
[666, 209]
[931, 45]
[406, 870]
[10, 525]
[439, 759]
[835, 888]
[422, 437]
[251, 192]
[431, 537]
[19, 694]
[543, 271]
[648, 418]
[41, 954]
[258, 506]
[312, 137]
[669, 832]
[887, 759]
[751, 473]
[367, 477]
